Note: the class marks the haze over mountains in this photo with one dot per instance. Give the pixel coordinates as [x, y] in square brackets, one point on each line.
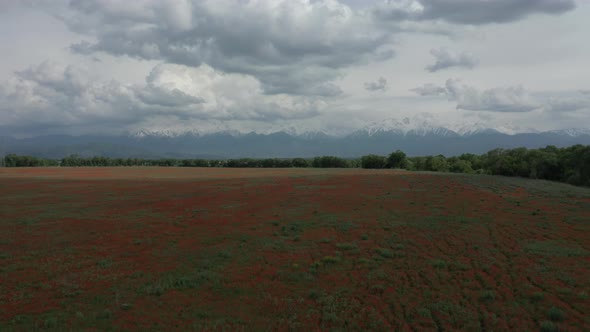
[419, 135]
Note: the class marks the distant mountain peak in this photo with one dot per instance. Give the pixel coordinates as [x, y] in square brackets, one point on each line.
[419, 125]
[572, 132]
[422, 124]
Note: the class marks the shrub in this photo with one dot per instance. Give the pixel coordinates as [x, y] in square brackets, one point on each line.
[556, 314]
[346, 246]
[373, 161]
[385, 253]
[547, 326]
[487, 295]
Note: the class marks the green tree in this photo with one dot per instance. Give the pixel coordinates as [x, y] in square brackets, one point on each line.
[437, 164]
[300, 162]
[373, 161]
[397, 159]
[329, 162]
[460, 166]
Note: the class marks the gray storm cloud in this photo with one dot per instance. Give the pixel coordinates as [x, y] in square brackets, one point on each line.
[295, 47]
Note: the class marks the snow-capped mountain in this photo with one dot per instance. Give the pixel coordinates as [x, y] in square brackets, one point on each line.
[407, 126]
[573, 132]
[420, 125]
[427, 125]
[421, 134]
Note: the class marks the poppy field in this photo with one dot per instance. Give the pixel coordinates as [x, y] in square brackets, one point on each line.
[162, 249]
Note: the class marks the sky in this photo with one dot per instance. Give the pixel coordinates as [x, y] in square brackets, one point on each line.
[116, 67]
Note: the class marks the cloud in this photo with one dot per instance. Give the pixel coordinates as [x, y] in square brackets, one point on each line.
[51, 98]
[379, 85]
[568, 104]
[475, 12]
[291, 46]
[447, 59]
[509, 100]
[430, 90]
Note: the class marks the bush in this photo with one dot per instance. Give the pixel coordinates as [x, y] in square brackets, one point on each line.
[556, 314]
[547, 326]
[373, 161]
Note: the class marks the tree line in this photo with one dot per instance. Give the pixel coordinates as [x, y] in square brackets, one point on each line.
[570, 164]
[13, 160]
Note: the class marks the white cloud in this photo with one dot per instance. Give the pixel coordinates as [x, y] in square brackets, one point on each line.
[53, 96]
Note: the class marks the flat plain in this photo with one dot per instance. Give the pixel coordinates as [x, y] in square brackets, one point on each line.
[290, 249]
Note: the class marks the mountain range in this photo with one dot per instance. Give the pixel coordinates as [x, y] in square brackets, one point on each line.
[415, 136]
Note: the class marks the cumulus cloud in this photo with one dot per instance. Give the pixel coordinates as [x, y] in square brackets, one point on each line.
[290, 46]
[379, 85]
[473, 12]
[447, 59]
[510, 99]
[51, 96]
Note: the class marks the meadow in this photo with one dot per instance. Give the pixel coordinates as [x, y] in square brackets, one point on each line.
[131, 248]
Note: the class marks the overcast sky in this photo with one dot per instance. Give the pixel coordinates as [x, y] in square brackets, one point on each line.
[114, 66]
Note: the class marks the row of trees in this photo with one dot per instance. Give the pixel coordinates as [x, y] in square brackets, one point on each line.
[571, 164]
[13, 160]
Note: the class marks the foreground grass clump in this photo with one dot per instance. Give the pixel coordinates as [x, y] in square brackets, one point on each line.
[174, 250]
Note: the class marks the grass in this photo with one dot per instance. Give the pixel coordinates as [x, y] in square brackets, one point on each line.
[384, 252]
[168, 249]
[181, 281]
[439, 263]
[346, 246]
[555, 248]
[487, 295]
[537, 296]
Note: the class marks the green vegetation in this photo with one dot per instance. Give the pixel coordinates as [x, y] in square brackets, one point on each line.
[373, 161]
[556, 314]
[337, 250]
[547, 326]
[570, 165]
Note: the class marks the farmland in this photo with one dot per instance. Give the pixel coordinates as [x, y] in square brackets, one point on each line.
[290, 249]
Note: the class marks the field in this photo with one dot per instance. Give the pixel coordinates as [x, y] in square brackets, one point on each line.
[292, 249]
